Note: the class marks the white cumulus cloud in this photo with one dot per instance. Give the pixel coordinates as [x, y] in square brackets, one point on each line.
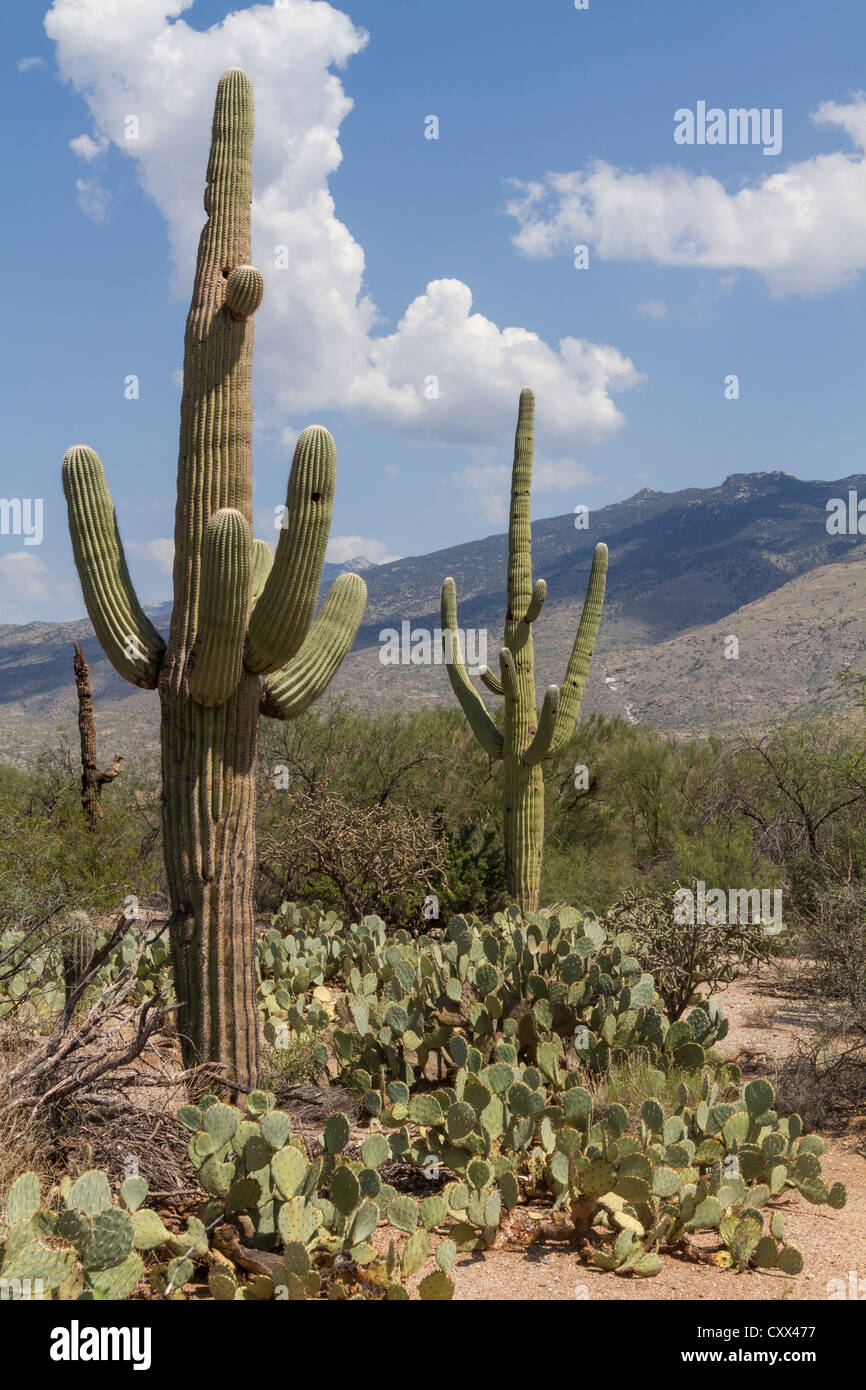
[316, 345]
[25, 64]
[488, 484]
[653, 309]
[451, 374]
[803, 229]
[92, 198]
[26, 584]
[86, 147]
[160, 552]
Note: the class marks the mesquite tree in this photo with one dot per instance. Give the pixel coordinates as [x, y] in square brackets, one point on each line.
[239, 613]
[526, 738]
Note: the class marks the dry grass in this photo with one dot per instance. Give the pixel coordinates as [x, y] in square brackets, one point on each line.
[136, 1132]
[630, 1084]
[761, 1016]
[22, 1138]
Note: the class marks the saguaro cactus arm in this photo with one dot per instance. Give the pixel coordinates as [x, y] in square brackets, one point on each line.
[536, 602]
[510, 688]
[473, 706]
[263, 559]
[493, 683]
[581, 652]
[540, 747]
[302, 680]
[216, 660]
[282, 616]
[245, 290]
[128, 638]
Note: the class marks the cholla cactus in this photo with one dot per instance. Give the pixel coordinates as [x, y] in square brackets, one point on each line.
[238, 614]
[526, 739]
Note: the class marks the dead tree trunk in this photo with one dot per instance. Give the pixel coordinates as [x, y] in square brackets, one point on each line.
[92, 780]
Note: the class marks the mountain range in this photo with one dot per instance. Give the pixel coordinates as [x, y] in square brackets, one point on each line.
[752, 559]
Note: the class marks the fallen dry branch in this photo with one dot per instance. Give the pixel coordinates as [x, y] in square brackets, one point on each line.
[79, 1053]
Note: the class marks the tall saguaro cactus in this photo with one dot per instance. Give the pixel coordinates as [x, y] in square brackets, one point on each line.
[526, 739]
[239, 613]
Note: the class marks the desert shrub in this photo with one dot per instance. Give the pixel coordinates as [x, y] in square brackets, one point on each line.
[630, 1083]
[682, 956]
[834, 943]
[420, 778]
[824, 1081]
[648, 815]
[719, 853]
[51, 863]
[786, 806]
[292, 1061]
[382, 858]
[577, 873]
[789, 804]
[474, 868]
[827, 1074]
[56, 871]
[800, 787]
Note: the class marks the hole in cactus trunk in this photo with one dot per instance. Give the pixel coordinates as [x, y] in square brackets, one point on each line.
[317, 497]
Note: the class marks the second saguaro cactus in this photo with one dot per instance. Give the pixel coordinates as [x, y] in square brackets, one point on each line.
[239, 614]
[526, 738]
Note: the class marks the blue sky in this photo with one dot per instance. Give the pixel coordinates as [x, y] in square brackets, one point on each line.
[556, 128]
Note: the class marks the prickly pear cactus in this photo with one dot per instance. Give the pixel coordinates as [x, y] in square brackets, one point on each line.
[473, 1051]
[88, 1249]
[313, 1219]
[282, 1223]
[554, 988]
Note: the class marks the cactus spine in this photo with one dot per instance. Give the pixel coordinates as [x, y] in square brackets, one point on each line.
[527, 738]
[238, 615]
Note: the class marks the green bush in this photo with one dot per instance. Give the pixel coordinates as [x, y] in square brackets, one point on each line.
[682, 956]
[52, 862]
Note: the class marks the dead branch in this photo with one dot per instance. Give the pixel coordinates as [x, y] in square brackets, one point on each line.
[92, 780]
[79, 1052]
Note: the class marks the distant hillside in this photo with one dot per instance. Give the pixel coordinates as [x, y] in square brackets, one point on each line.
[751, 558]
[792, 644]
